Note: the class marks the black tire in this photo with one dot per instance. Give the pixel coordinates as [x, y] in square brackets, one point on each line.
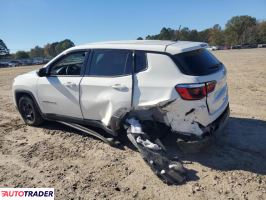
[29, 111]
[194, 146]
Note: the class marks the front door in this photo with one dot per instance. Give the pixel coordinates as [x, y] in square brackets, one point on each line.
[58, 93]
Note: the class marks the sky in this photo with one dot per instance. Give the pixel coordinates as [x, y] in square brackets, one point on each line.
[27, 23]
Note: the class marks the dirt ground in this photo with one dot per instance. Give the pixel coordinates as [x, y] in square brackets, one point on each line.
[81, 167]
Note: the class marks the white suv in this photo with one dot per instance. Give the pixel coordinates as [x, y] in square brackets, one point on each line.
[178, 84]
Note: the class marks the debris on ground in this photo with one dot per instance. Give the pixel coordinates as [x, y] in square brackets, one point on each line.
[169, 170]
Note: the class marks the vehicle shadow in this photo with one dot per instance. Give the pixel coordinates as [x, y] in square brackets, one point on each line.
[56, 126]
[241, 146]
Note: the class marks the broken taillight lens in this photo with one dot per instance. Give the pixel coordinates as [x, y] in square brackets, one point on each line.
[195, 91]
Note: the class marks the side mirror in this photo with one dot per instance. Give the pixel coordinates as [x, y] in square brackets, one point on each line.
[42, 72]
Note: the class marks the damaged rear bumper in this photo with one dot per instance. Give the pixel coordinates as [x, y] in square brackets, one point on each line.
[218, 124]
[191, 143]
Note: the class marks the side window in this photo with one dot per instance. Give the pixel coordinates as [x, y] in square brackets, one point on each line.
[140, 61]
[110, 62]
[70, 64]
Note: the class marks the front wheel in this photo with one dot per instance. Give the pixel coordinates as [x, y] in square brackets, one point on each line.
[29, 112]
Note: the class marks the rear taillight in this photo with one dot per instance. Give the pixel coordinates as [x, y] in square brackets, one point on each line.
[195, 91]
[210, 86]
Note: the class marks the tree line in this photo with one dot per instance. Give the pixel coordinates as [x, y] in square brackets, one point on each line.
[238, 30]
[3, 48]
[49, 50]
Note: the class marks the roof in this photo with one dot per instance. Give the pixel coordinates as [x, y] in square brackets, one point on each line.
[172, 47]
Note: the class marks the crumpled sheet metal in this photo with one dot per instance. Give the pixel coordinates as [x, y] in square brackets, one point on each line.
[168, 170]
[184, 117]
[181, 117]
[135, 126]
[148, 144]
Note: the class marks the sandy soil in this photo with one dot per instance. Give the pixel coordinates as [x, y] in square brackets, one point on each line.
[81, 167]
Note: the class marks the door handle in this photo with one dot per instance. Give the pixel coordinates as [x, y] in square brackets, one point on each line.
[120, 87]
[70, 84]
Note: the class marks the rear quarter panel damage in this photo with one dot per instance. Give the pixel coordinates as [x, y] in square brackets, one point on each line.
[155, 97]
[185, 117]
[180, 116]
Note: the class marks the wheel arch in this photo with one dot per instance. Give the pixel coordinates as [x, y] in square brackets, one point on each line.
[19, 93]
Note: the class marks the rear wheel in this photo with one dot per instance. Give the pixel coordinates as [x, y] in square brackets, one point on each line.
[29, 111]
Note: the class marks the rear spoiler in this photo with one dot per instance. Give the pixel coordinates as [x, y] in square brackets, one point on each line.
[184, 46]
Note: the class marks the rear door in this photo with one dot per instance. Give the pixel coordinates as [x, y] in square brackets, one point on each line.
[107, 84]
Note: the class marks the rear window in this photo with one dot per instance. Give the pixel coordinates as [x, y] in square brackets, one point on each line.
[197, 62]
